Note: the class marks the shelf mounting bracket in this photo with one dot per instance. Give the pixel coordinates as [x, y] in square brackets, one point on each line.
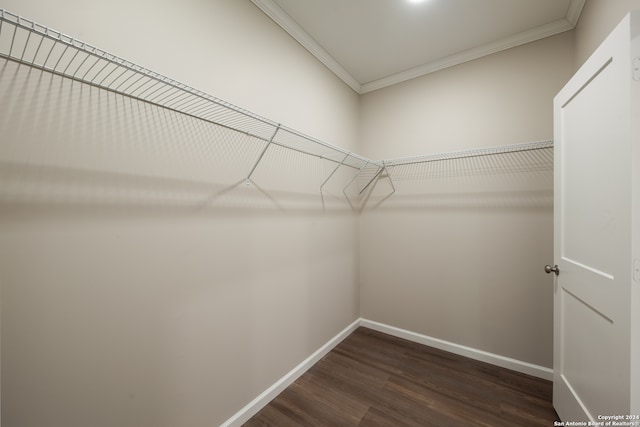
[371, 180]
[334, 171]
[264, 150]
[344, 190]
[393, 187]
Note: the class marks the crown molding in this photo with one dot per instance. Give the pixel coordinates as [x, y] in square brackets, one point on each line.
[281, 18]
[524, 37]
[574, 11]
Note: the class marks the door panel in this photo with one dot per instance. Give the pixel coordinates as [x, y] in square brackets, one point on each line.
[590, 126]
[592, 244]
[635, 286]
[587, 333]
[589, 229]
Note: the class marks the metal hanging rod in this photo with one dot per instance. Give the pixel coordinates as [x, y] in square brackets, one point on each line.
[29, 43]
[480, 152]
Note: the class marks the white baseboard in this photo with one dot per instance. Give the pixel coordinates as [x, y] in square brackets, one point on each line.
[472, 353]
[269, 394]
[279, 386]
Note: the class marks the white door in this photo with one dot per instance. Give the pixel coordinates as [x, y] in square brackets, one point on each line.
[594, 154]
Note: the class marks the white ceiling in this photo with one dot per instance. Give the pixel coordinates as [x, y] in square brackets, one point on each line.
[371, 44]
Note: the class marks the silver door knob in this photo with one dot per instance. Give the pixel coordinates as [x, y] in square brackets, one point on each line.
[548, 269]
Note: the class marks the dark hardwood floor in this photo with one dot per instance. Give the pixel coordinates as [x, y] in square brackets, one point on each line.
[373, 379]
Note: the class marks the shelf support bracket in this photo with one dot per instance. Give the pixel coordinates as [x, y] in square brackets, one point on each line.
[334, 171]
[371, 180]
[344, 190]
[393, 187]
[378, 173]
[264, 150]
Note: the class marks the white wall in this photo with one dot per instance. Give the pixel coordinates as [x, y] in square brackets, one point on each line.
[141, 286]
[461, 258]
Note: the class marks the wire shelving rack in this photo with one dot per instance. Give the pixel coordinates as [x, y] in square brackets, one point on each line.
[29, 43]
[37, 46]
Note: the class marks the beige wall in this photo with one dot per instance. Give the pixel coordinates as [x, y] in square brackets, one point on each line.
[141, 285]
[456, 256]
[598, 19]
[500, 99]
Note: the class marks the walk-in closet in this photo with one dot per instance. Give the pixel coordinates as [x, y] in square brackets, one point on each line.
[199, 206]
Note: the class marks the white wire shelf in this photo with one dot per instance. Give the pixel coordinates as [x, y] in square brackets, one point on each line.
[37, 46]
[479, 152]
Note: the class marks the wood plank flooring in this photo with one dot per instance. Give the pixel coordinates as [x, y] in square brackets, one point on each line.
[373, 379]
